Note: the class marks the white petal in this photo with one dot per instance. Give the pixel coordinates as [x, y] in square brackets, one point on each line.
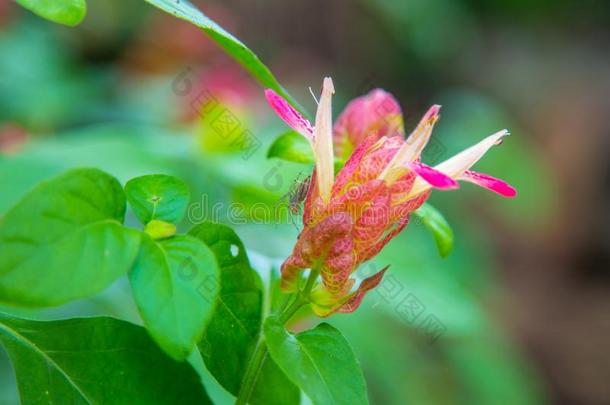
[323, 140]
[413, 146]
[458, 164]
[417, 141]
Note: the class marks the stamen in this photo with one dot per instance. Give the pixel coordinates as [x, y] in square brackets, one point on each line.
[313, 95]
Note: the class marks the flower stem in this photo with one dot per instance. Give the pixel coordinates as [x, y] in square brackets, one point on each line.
[260, 352]
[254, 368]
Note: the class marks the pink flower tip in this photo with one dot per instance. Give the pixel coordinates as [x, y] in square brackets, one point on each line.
[270, 94]
[432, 112]
[498, 186]
[288, 113]
[507, 191]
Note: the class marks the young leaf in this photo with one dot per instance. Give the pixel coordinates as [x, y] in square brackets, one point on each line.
[175, 283]
[231, 336]
[94, 361]
[159, 229]
[319, 361]
[68, 12]
[234, 47]
[293, 147]
[64, 240]
[158, 197]
[438, 225]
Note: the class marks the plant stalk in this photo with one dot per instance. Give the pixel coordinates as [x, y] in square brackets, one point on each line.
[260, 352]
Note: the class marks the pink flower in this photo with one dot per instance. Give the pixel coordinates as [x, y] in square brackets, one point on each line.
[377, 113]
[349, 218]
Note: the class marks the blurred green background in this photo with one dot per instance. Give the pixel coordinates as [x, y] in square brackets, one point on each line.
[519, 310]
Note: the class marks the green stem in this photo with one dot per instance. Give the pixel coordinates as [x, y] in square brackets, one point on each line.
[313, 276]
[292, 309]
[260, 352]
[252, 372]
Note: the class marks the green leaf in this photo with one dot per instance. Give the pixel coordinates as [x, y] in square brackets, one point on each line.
[175, 284]
[158, 196]
[320, 361]
[293, 147]
[231, 336]
[276, 297]
[236, 322]
[438, 225]
[68, 12]
[64, 240]
[94, 361]
[183, 9]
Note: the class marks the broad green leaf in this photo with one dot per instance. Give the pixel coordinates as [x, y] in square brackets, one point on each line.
[320, 361]
[68, 12]
[64, 240]
[231, 336]
[158, 196]
[234, 47]
[94, 361]
[438, 225]
[293, 147]
[175, 284]
[233, 330]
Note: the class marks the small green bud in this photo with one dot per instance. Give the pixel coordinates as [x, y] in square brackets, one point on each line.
[160, 229]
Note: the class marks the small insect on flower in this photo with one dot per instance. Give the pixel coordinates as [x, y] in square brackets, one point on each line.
[297, 194]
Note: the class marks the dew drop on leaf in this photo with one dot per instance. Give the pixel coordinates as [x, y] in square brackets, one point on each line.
[234, 250]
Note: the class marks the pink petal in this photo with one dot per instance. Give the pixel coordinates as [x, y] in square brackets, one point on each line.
[347, 172]
[371, 251]
[339, 264]
[491, 183]
[312, 195]
[433, 177]
[289, 114]
[290, 271]
[376, 113]
[355, 299]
